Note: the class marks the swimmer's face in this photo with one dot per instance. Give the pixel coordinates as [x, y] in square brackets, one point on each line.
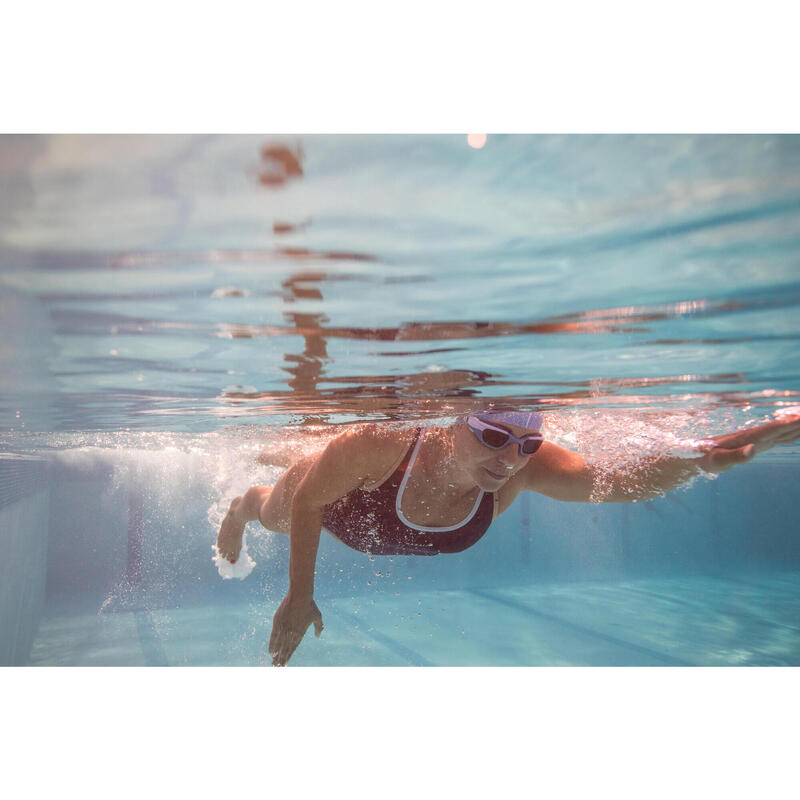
[490, 469]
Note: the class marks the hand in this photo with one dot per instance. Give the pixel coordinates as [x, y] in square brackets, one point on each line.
[783, 430]
[724, 452]
[718, 459]
[289, 626]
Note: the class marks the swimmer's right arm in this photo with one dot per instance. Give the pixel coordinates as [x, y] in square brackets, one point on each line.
[348, 462]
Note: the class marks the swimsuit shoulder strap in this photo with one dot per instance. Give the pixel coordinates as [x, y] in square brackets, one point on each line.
[394, 475]
[407, 460]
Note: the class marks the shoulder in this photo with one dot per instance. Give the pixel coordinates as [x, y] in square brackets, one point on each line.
[553, 460]
[368, 449]
[350, 461]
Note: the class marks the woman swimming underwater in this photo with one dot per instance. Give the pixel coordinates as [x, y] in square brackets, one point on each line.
[424, 491]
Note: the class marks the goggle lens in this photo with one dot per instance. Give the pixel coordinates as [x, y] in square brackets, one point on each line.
[496, 439]
[530, 446]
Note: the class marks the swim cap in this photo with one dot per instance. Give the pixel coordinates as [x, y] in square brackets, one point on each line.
[524, 419]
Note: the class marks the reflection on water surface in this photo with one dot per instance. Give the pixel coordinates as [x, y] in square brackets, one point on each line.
[191, 281]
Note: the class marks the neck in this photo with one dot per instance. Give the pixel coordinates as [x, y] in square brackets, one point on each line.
[441, 467]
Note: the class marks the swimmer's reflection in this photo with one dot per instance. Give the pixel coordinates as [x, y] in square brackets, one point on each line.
[307, 367]
[628, 319]
[432, 490]
[310, 385]
[442, 331]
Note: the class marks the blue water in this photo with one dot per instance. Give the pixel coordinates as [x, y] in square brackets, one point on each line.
[173, 307]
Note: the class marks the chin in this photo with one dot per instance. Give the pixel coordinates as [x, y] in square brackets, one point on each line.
[488, 482]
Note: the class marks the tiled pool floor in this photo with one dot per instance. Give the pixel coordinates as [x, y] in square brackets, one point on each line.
[747, 619]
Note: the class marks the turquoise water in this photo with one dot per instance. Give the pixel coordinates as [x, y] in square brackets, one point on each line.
[175, 307]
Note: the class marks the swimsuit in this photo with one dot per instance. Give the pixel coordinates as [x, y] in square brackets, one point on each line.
[371, 520]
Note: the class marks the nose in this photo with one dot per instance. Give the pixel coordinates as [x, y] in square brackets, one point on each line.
[509, 456]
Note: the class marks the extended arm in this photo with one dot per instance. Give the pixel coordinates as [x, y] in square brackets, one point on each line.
[347, 463]
[565, 475]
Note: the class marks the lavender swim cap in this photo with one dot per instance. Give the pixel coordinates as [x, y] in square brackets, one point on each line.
[524, 419]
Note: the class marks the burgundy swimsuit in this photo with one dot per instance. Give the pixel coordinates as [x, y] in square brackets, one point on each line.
[372, 521]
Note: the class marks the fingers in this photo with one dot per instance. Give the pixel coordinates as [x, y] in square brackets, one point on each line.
[287, 644]
[289, 628]
[278, 644]
[285, 647]
[316, 618]
[282, 644]
[789, 430]
[277, 650]
[272, 647]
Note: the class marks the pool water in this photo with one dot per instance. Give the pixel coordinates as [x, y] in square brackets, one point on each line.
[182, 316]
[746, 619]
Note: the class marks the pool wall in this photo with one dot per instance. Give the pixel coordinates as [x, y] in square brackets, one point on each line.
[24, 525]
[26, 346]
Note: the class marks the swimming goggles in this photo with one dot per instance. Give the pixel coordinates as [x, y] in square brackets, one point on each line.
[497, 438]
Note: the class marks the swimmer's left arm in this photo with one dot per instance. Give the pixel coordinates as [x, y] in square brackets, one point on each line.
[567, 476]
[557, 473]
[564, 475]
